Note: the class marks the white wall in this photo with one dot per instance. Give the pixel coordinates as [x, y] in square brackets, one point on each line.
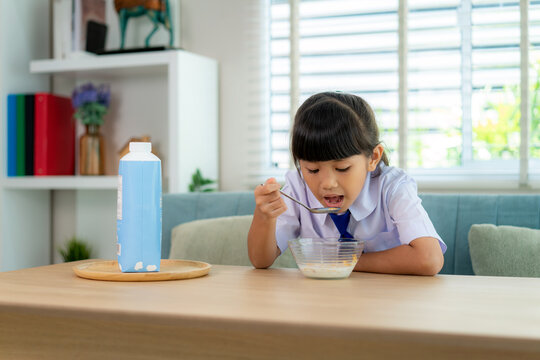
[219, 29]
[24, 35]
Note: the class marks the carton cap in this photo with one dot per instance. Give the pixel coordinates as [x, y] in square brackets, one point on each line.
[140, 146]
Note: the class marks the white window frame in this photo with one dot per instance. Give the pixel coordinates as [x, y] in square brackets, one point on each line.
[438, 180]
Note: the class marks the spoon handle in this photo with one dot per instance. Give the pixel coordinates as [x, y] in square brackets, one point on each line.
[293, 199]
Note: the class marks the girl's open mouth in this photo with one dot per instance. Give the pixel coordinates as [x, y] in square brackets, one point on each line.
[334, 201]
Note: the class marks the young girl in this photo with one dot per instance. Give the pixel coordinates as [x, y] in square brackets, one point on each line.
[341, 163]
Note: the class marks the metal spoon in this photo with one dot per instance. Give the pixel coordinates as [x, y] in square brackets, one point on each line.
[324, 210]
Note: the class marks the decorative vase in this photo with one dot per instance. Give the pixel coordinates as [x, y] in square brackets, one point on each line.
[91, 152]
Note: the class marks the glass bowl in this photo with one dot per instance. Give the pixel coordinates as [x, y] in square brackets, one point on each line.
[326, 258]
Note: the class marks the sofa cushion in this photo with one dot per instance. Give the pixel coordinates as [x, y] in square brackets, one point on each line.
[184, 207]
[220, 241]
[504, 250]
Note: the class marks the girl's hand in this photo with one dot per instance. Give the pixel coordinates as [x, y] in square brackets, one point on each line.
[268, 200]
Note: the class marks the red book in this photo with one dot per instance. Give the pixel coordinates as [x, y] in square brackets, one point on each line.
[54, 135]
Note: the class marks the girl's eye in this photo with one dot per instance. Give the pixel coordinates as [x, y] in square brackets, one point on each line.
[343, 169]
[313, 171]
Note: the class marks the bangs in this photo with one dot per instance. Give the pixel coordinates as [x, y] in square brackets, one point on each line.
[326, 132]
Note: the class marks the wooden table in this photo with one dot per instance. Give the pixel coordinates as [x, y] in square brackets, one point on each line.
[243, 313]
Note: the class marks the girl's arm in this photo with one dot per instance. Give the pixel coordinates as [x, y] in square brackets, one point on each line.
[423, 256]
[262, 245]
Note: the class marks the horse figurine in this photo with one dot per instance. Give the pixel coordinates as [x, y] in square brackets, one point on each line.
[157, 10]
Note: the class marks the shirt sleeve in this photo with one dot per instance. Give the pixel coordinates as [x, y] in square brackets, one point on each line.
[288, 223]
[287, 227]
[411, 219]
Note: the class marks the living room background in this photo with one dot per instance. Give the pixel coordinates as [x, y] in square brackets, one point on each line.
[236, 33]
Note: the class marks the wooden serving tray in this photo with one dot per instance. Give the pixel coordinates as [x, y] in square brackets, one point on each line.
[169, 270]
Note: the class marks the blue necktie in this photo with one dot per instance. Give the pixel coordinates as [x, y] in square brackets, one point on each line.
[342, 221]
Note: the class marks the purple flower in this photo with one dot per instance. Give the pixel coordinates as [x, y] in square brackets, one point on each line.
[88, 93]
[91, 103]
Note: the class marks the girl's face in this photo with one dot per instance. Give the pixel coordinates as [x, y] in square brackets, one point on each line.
[337, 183]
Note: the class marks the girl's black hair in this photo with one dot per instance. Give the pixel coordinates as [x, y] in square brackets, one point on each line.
[334, 126]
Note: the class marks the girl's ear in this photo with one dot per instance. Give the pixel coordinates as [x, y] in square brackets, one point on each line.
[378, 152]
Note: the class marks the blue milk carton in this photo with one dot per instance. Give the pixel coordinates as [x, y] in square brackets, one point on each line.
[138, 215]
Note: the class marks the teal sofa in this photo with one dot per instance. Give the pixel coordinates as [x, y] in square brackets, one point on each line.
[451, 214]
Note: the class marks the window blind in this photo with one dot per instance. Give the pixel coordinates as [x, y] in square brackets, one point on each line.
[463, 72]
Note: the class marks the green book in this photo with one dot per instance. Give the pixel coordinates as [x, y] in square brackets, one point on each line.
[21, 136]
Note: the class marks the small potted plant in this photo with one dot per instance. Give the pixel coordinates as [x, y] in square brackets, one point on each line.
[200, 183]
[74, 250]
[91, 104]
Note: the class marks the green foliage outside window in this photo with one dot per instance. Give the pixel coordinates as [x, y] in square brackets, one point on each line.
[498, 137]
[500, 134]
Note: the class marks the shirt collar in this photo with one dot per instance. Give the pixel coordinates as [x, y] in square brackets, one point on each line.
[366, 202]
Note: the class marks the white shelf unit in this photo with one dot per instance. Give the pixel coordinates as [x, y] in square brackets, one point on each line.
[178, 122]
[170, 95]
[62, 182]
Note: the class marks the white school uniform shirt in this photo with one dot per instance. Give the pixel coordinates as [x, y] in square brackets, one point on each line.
[386, 214]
